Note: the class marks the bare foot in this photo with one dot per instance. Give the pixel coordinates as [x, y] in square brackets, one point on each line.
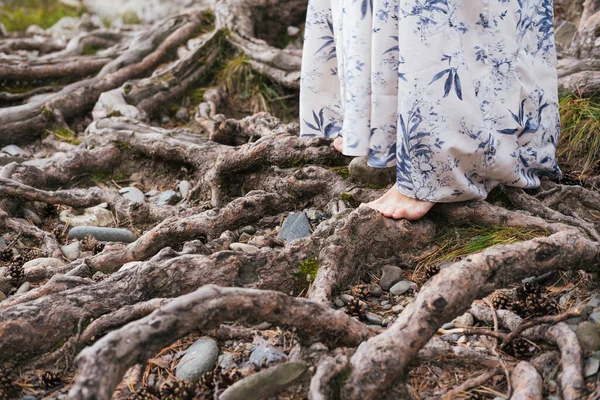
[338, 143]
[395, 205]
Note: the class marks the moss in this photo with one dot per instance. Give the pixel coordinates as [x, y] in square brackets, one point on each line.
[20, 15]
[124, 146]
[101, 176]
[48, 114]
[130, 17]
[497, 195]
[343, 172]
[90, 49]
[114, 114]
[350, 199]
[338, 382]
[65, 135]
[306, 274]
[127, 89]
[376, 187]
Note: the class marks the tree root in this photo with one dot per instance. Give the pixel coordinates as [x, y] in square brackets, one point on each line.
[526, 382]
[102, 368]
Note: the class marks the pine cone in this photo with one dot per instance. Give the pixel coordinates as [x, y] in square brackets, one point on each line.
[531, 303]
[8, 388]
[228, 378]
[361, 291]
[500, 300]
[143, 394]
[431, 270]
[50, 211]
[16, 273]
[476, 396]
[354, 309]
[50, 379]
[519, 348]
[179, 390]
[6, 255]
[31, 254]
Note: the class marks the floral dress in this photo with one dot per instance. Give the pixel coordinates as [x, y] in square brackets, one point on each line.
[458, 95]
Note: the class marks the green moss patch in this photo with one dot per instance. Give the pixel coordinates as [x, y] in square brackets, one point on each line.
[20, 15]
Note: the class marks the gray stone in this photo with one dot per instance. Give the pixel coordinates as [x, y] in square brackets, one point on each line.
[391, 275]
[227, 361]
[167, 198]
[16, 151]
[244, 248]
[152, 193]
[465, 320]
[25, 287]
[591, 367]
[346, 298]
[373, 318]
[295, 226]
[339, 303]
[387, 307]
[3, 244]
[361, 172]
[32, 217]
[43, 263]
[184, 188]
[263, 326]
[385, 302]
[398, 308]
[594, 301]
[265, 353]
[93, 216]
[400, 288]
[103, 234]
[183, 114]
[448, 326]
[200, 358]
[452, 337]
[71, 251]
[133, 194]
[336, 206]
[6, 159]
[588, 334]
[249, 229]
[315, 215]
[376, 291]
[265, 384]
[293, 30]
[595, 317]
[165, 119]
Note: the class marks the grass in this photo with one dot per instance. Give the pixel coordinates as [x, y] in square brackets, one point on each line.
[306, 274]
[20, 15]
[461, 241]
[65, 135]
[579, 145]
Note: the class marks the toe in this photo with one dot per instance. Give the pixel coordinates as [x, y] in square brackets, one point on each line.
[388, 211]
[399, 213]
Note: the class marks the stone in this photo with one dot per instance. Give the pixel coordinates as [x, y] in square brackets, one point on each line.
[103, 234]
[152, 193]
[226, 361]
[167, 198]
[43, 263]
[200, 358]
[2, 296]
[25, 287]
[249, 229]
[112, 104]
[71, 251]
[588, 334]
[165, 119]
[591, 367]
[32, 217]
[3, 244]
[315, 215]
[339, 303]
[400, 288]
[346, 298]
[398, 308]
[133, 194]
[183, 114]
[564, 34]
[293, 30]
[386, 307]
[464, 321]
[265, 353]
[448, 325]
[361, 172]
[373, 318]
[266, 241]
[296, 226]
[594, 301]
[265, 384]
[16, 151]
[451, 337]
[244, 248]
[391, 275]
[93, 216]
[376, 291]
[244, 237]
[336, 206]
[595, 317]
[263, 326]
[184, 188]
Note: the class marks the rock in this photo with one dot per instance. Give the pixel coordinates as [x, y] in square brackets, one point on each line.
[169, 197]
[249, 229]
[595, 317]
[183, 114]
[265, 353]
[295, 226]
[32, 217]
[113, 104]
[564, 34]
[386, 307]
[265, 384]
[293, 30]
[25, 287]
[244, 237]
[43, 263]
[373, 318]
[464, 321]
[398, 308]
[3, 244]
[133, 194]
[315, 215]
[339, 303]
[165, 119]
[346, 298]
[93, 216]
[588, 334]
[16, 151]
[2, 296]
[71, 251]
[376, 291]
[591, 367]
[227, 361]
[336, 206]
[390, 276]
[244, 248]
[184, 188]
[594, 301]
[200, 358]
[448, 326]
[452, 337]
[266, 241]
[103, 234]
[99, 276]
[263, 326]
[152, 193]
[400, 288]
[361, 172]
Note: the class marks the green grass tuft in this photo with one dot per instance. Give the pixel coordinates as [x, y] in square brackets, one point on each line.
[306, 274]
[579, 145]
[17, 16]
[65, 135]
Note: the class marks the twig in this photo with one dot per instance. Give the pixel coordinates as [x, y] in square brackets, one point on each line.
[472, 383]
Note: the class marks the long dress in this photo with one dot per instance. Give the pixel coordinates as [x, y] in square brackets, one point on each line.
[459, 95]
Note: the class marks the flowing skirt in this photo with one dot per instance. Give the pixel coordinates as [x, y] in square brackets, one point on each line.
[458, 95]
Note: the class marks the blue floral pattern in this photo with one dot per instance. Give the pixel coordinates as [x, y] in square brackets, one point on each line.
[458, 95]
